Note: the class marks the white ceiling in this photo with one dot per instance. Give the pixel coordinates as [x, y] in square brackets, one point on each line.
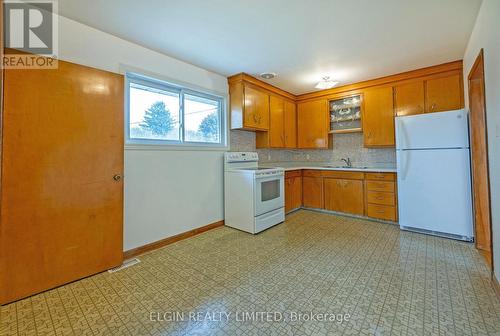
[302, 41]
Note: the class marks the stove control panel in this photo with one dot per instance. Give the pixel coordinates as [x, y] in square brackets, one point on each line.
[241, 157]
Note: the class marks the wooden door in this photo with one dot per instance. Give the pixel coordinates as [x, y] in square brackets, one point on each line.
[444, 93]
[293, 193]
[312, 124]
[312, 192]
[276, 122]
[344, 195]
[256, 115]
[378, 117]
[290, 122]
[409, 98]
[62, 209]
[479, 149]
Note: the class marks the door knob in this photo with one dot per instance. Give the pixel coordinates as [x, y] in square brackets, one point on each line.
[117, 177]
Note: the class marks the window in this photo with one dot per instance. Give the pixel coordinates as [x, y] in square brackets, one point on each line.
[162, 113]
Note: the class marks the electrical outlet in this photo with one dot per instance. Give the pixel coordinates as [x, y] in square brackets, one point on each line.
[308, 157]
[268, 157]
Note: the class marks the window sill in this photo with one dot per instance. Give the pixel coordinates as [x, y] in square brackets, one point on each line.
[186, 147]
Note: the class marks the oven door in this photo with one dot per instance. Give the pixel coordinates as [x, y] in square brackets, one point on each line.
[269, 193]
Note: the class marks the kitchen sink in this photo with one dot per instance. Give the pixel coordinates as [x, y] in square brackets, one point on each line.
[345, 167]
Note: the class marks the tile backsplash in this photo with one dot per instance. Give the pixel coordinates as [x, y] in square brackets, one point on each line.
[344, 145]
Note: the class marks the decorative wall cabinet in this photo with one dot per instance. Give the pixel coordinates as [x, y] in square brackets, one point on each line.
[345, 114]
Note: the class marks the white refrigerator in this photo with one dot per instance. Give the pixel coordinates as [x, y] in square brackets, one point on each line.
[434, 180]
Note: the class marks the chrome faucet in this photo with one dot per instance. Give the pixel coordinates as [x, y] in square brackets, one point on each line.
[348, 162]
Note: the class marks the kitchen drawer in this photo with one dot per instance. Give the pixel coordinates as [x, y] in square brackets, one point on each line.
[293, 173]
[381, 212]
[339, 174]
[380, 197]
[381, 176]
[380, 186]
[311, 173]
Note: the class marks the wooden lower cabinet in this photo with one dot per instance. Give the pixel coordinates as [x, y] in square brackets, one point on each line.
[312, 192]
[352, 192]
[293, 190]
[381, 196]
[381, 212]
[344, 195]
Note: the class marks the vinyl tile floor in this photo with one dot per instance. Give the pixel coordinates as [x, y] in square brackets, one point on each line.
[316, 274]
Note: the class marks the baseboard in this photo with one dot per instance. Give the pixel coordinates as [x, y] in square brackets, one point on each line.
[170, 240]
[345, 214]
[496, 285]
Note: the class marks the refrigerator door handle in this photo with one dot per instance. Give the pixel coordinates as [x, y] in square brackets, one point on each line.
[405, 163]
[406, 140]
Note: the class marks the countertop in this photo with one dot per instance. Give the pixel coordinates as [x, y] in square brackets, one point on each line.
[287, 166]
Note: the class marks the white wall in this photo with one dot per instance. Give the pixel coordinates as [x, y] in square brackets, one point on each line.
[486, 35]
[166, 192]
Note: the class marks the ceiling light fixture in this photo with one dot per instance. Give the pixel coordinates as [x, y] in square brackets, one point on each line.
[268, 75]
[326, 83]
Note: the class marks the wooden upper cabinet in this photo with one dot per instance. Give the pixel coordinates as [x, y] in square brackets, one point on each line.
[444, 93]
[409, 98]
[378, 117]
[290, 124]
[249, 107]
[282, 125]
[277, 125]
[256, 109]
[312, 124]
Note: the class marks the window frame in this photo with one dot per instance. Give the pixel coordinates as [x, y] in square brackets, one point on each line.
[181, 90]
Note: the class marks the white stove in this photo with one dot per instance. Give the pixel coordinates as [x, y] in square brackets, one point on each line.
[253, 196]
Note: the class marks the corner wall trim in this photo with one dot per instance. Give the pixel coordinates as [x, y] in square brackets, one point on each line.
[170, 240]
[496, 285]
